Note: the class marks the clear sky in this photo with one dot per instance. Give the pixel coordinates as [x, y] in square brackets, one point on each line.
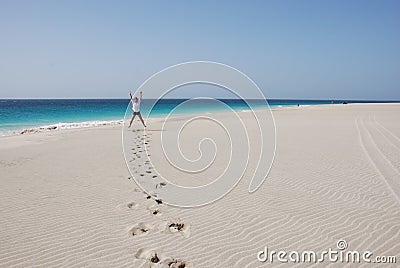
[292, 49]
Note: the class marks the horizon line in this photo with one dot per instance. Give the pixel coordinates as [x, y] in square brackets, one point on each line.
[299, 99]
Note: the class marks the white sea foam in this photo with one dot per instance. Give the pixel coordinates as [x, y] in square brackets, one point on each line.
[62, 126]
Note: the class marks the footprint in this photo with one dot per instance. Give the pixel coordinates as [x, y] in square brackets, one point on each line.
[160, 185]
[132, 205]
[176, 226]
[154, 210]
[175, 263]
[152, 256]
[150, 196]
[141, 228]
[156, 258]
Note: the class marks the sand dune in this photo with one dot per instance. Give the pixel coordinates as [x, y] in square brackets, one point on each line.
[68, 200]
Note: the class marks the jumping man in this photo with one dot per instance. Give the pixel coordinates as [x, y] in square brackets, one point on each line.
[136, 108]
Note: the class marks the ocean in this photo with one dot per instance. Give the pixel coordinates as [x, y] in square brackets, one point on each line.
[31, 115]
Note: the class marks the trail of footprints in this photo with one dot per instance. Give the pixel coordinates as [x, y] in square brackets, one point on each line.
[139, 153]
[161, 226]
[154, 206]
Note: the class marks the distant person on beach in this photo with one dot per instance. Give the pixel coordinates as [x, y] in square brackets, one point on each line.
[136, 108]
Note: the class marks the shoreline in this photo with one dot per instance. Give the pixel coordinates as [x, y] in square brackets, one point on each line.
[62, 126]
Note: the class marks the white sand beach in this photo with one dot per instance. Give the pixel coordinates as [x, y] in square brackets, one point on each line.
[68, 200]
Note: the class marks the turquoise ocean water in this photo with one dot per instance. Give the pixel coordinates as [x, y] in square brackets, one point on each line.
[17, 115]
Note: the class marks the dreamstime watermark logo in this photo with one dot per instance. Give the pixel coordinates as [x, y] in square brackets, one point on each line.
[339, 255]
[218, 146]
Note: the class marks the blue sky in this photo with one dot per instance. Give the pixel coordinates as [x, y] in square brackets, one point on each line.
[291, 49]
